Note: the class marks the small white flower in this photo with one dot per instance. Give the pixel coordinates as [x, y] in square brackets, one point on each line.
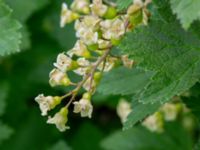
[89, 37]
[113, 29]
[47, 103]
[154, 122]
[63, 62]
[170, 111]
[87, 22]
[84, 107]
[98, 8]
[60, 119]
[67, 16]
[84, 66]
[123, 109]
[81, 6]
[79, 49]
[57, 77]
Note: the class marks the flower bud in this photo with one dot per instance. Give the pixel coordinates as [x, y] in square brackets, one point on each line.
[110, 13]
[60, 119]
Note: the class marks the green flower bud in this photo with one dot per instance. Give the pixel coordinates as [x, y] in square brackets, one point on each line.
[110, 13]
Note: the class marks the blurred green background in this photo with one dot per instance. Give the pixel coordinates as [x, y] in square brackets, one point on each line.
[25, 75]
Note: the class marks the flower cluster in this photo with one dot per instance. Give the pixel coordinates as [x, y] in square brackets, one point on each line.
[99, 27]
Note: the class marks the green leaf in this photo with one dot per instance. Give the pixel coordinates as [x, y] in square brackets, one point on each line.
[23, 9]
[60, 145]
[123, 4]
[3, 95]
[139, 138]
[139, 112]
[186, 10]
[163, 10]
[9, 35]
[124, 81]
[87, 137]
[5, 131]
[171, 52]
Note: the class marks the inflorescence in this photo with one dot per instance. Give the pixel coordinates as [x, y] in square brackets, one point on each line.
[99, 27]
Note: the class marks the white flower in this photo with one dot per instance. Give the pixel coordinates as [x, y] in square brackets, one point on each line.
[87, 22]
[60, 119]
[57, 77]
[89, 37]
[63, 62]
[126, 61]
[90, 85]
[79, 49]
[84, 66]
[81, 6]
[67, 16]
[123, 109]
[84, 107]
[47, 103]
[170, 111]
[98, 8]
[154, 122]
[113, 29]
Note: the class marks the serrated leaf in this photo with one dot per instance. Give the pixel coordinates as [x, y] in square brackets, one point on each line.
[139, 138]
[139, 112]
[186, 10]
[171, 52]
[9, 31]
[124, 81]
[163, 10]
[60, 145]
[23, 9]
[123, 4]
[5, 131]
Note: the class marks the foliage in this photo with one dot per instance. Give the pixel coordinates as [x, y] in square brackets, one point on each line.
[166, 54]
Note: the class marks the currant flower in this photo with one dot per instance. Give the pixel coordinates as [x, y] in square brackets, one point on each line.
[58, 77]
[113, 29]
[154, 122]
[47, 103]
[65, 63]
[89, 37]
[103, 44]
[84, 106]
[79, 49]
[98, 8]
[81, 6]
[60, 119]
[84, 66]
[123, 110]
[67, 16]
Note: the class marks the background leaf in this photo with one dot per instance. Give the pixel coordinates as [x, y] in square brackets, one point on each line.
[9, 33]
